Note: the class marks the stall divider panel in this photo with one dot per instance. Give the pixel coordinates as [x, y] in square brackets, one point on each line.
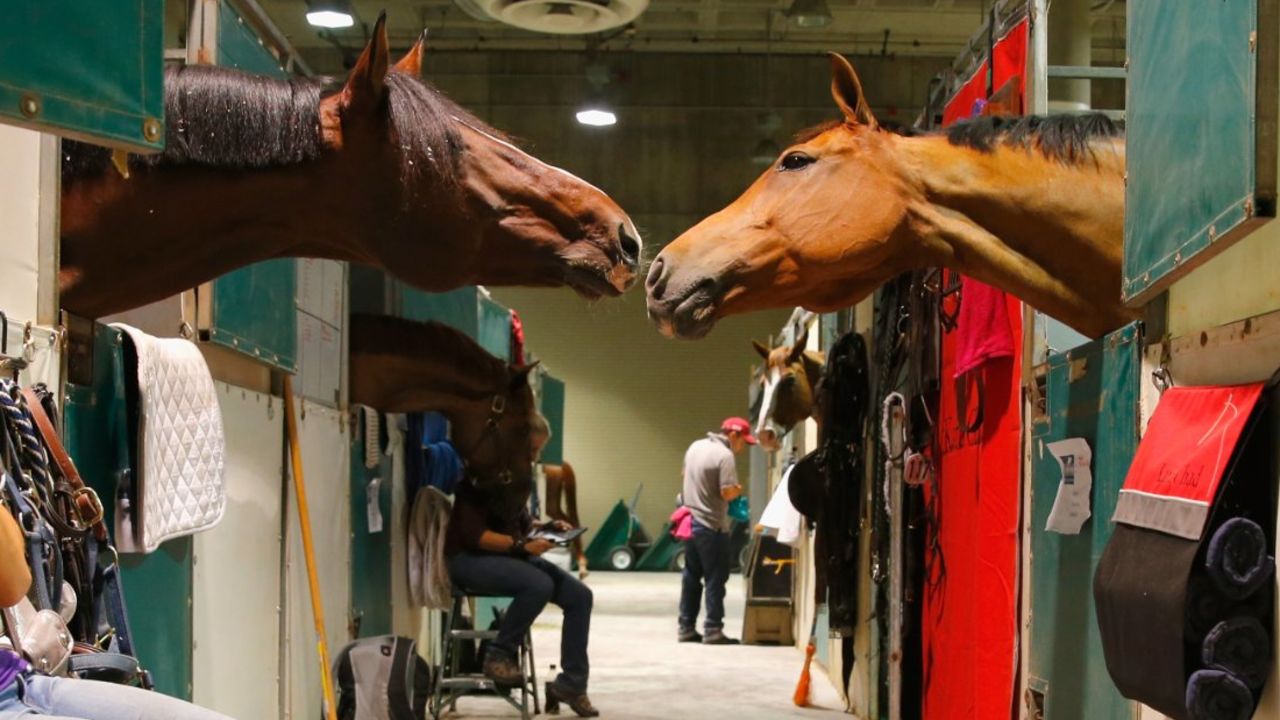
[1202, 150]
[253, 310]
[467, 309]
[456, 308]
[325, 444]
[157, 586]
[1092, 393]
[493, 330]
[85, 69]
[236, 609]
[553, 397]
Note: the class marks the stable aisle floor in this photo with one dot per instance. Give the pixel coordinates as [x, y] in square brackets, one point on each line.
[640, 672]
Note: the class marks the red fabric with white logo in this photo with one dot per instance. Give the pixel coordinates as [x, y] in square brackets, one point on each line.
[1184, 453]
[970, 606]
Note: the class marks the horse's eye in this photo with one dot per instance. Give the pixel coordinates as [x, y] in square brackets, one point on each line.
[795, 161]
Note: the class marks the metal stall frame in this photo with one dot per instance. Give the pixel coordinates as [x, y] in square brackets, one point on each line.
[1038, 328]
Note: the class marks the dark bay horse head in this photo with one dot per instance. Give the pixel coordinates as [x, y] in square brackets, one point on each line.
[380, 169]
[787, 385]
[404, 366]
[1034, 206]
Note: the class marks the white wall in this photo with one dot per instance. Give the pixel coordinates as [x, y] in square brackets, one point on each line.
[19, 222]
[634, 400]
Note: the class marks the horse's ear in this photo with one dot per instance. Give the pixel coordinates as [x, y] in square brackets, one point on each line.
[411, 63]
[520, 374]
[846, 89]
[367, 84]
[797, 350]
[764, 351]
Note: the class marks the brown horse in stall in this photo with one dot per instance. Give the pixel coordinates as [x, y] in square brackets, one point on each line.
[383, 170]
[1034, 206]
[562, 483]
[404, 366]
[787, 384]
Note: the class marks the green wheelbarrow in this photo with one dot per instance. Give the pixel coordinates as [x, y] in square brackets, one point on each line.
[666, 553]
[620, 540]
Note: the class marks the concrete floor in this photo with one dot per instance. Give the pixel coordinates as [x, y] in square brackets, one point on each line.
[640, 672]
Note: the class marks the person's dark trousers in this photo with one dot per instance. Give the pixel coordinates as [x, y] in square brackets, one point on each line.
[706, 560]
[532, 583]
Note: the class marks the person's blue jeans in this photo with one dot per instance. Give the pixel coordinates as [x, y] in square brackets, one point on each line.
[706, 560]
[55, 698]
[532, 583]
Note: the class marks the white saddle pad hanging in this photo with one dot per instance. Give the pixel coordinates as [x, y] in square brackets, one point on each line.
[179, 488]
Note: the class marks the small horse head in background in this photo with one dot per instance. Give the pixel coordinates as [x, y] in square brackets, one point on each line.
[788, 383]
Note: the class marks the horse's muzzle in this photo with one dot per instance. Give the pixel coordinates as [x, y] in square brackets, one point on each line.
[684, 310]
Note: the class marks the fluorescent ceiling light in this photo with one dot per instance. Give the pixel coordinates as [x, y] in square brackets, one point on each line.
[596, 117]
[330, 13]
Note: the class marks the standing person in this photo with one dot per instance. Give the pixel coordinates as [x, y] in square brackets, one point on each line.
[710, 482]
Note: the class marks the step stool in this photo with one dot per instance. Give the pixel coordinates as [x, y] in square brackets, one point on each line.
[452, 684]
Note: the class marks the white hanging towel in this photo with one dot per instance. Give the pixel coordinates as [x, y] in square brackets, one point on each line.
[782, 516]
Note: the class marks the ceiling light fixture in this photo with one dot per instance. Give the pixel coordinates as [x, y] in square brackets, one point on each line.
[596, 117]
[809, 13]
[330, 13]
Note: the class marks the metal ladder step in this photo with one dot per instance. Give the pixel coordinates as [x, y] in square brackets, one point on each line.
[473, 634]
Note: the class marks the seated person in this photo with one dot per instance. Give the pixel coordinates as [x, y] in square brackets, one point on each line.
[25, 693]
[488, 553]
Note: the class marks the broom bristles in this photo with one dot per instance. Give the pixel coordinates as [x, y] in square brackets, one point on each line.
[802, 695]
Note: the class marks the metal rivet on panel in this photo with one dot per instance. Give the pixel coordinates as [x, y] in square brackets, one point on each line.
[151, 129]
[29, 105]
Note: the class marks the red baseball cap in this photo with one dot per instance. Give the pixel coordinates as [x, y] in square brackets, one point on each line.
[739, 425]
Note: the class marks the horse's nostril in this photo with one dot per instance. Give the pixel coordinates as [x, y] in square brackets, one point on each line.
[630, 246]
[654, 281]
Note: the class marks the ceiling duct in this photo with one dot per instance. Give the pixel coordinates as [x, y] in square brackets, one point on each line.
[559, 17]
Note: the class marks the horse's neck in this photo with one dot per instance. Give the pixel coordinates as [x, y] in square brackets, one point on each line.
[399, 383]
[1045, 230]
[167, 229]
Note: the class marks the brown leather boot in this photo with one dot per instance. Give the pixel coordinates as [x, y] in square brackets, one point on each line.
[502, 669]
[577, 702]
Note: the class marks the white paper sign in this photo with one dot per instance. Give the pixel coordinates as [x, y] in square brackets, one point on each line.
[1071, 507]
[373, 508]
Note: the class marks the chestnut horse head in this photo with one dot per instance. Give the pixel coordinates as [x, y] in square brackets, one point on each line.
[404, 366]
[787, 383]
[381, 169]
[1034, 206]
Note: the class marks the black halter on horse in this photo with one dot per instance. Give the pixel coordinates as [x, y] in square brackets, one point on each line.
[497, 408]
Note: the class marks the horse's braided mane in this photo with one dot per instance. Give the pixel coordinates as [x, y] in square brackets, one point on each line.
[380, 334]
[1066, 138]
[225, 118]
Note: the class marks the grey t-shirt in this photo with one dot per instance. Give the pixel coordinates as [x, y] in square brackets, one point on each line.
[709, 466]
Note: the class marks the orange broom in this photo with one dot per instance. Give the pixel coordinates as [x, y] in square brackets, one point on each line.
[802, 695]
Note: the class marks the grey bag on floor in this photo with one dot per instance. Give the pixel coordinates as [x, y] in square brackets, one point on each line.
[382, 678]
